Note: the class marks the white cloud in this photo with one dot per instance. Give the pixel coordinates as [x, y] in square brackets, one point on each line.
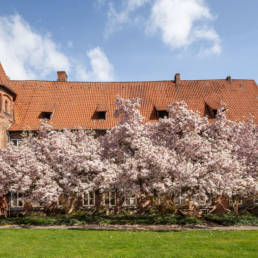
[81, 73]
[182, 22]
[133, 4]
[211, 35]
[117, 19]
[102, 69]
[25, 54]
[179, 23]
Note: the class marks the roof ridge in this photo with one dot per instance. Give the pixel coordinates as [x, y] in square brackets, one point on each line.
[89, 81]
[105, 82]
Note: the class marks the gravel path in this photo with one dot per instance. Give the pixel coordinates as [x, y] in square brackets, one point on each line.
[137, 227]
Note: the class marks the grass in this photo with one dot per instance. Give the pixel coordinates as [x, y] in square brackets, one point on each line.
[92, 243]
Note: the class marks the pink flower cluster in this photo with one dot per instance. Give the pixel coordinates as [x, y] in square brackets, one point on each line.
[182, 155]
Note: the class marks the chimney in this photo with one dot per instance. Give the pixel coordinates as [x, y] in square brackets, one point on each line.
[177, 78]
[229, 79]
[61, 76]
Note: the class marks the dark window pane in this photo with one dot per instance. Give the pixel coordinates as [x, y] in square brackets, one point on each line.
[214, 111]
[162, 113]
[45, 115]
[101, 115]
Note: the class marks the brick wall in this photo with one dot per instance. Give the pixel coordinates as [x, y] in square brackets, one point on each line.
[6, 115]
[4, 124]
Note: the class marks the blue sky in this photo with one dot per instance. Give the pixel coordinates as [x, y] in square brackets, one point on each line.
[129, 40]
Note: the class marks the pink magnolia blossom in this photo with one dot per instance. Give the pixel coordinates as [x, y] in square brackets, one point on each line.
[182, 155]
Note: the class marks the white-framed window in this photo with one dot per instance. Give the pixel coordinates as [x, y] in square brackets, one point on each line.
[58, 203]
[109, 198]
[130, 200]
[179, 200]
[231, 202]
[88, 199]
[17, 200]
[204, 202]
[16, 142]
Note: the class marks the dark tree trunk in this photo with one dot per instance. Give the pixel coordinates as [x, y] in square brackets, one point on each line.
[3, 206]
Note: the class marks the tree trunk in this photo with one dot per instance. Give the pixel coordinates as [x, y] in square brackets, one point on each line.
[98, 202]
[236, 206]
[71, 206]
[143, 204]
[3, 206]
[27, 208]
[219, 205]
[120, 198]
[50, 209]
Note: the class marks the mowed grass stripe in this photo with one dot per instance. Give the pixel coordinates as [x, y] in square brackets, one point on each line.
[94, 243]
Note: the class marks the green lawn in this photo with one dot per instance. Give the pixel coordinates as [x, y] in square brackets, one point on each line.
[93, 243]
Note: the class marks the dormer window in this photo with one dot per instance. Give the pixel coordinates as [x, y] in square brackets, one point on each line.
[161, 111]
[100, 112]
[45, 115]
[210, 112]
[101, 115]
[162, 114]
[214, 112]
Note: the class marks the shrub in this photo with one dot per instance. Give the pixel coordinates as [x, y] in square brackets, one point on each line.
[232, 219]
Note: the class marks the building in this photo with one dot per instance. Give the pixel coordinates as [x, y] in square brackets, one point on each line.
[90, 105]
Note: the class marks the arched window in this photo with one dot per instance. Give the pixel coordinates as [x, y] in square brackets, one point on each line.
[6, 106]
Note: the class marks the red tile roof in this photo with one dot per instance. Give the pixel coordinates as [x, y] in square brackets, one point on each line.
[3, 77]
[4, 82]
[73, 104]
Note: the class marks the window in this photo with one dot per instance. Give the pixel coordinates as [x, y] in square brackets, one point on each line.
[59, 202]
[45, 115]
[101, 115]
[203, 202]
[179, 200]
[231, 202]
[6, 106]
[88, 199]
[100, 112]
[211, 113]
[130, 200]
[16, 142]
[162, 113]
[16, 200]
[109, 199]
[214, 112]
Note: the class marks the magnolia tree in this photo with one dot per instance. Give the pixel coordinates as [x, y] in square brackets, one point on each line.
[53, 166]
[242, 141]
[21, 172]
[183, 155]
[74, 159]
